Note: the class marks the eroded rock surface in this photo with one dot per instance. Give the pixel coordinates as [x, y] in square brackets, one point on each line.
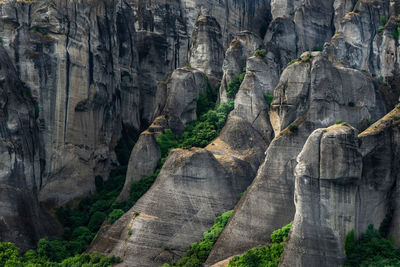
[312, 93]
[22, 219]
[195, 186]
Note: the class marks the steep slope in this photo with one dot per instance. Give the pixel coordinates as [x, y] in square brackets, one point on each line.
[195, 186]
[22, 218]
[343, 182]
[312, 93]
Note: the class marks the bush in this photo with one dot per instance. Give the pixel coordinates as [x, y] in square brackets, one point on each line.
[115, 215]
[380, 29]
[269, 98]
[233, 86]
[166, 142]
[396, 33]
[10, 256]
[383, 20]
[260, 53]
[293, 128]
[269, 255]
[198, 252]
[37, 111]
[371, 250]
[96, 221]
[280, 235]
[99, 182]
[293, 61]
[339, 122]
[207, 101]
[201, 132]
[123, 151]
[318, 48]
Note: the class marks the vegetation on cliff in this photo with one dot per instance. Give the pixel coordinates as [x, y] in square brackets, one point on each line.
[371, 249]
[268, 256]
[198, 252]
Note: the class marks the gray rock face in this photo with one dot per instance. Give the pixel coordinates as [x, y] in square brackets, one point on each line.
[206, 51]
[311, 94]
[195, 185]
[343, 182]
[80, 62]
[22, 219]
[242, 47]
[175, 107]
[359, 43]
[327, 172]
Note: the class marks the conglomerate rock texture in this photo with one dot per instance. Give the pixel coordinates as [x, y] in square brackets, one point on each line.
[76, 76]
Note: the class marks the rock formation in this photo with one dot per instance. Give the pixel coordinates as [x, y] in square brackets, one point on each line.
[77, 76]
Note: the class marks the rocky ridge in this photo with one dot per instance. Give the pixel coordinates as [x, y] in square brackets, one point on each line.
[99, 70]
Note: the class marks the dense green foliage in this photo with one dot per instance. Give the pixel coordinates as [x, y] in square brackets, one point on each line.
[11, 257]
[233, 86]
[206, 102]
[371, 249]
[268, 256]
[123, 150]
[269, 98]
[115, 215]
[199, 251]
[383, 20]
[318, 48]
[198, 133]
[260, 53]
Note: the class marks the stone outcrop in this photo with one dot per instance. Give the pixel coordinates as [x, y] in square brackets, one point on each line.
[343, 183]
[311, 94]
[175, 107]
[327, 172]
[242, 47]
[22, 219]
[195, 186]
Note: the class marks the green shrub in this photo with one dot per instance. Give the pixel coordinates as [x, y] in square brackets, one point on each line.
[383, 20]
[233, 86]
[260, 53]
[280, 235]
[371, 249]
[381, 79]
[99, 183]
[96, 221]
[339, 122]
[166, 142]
[201, 132]
[307, 58]
[318, 48]
[396, 33]
[115, 215]
[381, 28]
[207, 101]
[293, 128]
[37, 111]
[268, 256]
[10, 257]
[123, 151]
[198, 252]
[293, 61]
[269, 98]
